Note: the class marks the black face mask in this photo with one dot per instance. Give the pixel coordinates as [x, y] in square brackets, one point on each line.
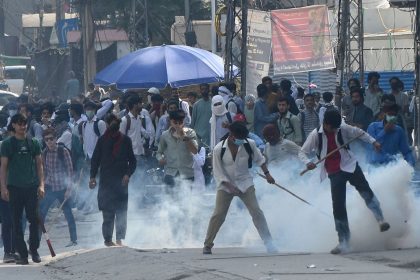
[394, 86]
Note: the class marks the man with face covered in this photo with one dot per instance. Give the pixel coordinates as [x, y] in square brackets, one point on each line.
[176, 148]
[276, 148]
[220, 120]
[113, 157]
[91, 129]
[391, 137]
[232, 162]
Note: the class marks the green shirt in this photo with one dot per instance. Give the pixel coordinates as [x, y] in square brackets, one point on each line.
[21, 171]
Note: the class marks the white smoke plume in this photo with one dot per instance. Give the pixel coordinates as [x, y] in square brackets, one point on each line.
[181, 221]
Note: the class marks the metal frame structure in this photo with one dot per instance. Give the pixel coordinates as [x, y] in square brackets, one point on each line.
[350, 42]
[354, 48]
[417, 64]
[236, 9]
[138, 32]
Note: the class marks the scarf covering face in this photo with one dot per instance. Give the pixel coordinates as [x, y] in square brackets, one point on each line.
[116, 139]
[225, 93]
[219, 110]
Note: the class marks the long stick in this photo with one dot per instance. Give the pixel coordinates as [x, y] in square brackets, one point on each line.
[332, 152]
[53, 220]
[47, 237]
[301, 199]
[286, 190]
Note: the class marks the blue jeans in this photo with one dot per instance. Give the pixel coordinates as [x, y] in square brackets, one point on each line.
[50, 197]
[6, 227]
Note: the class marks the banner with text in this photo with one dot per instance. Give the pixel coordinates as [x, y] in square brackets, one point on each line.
[301, 40]
[259, 48]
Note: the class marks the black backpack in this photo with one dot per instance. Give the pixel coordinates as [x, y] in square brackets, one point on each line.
[247, 147]
[28, 142]
[339, 138]
[60, 153]
[238, 109]
[82, 125]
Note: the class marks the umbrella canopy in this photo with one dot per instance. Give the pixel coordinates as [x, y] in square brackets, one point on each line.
[159, 66]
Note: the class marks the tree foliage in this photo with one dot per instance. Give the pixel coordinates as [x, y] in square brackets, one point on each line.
[161, 15]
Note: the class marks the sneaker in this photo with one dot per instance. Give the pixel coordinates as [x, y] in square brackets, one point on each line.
[22, 261]
[384, 226]
[341, 248]
[207, 250]
[109, 244]
[9, 258]
[71, 243]
[119, 243]
[35, 257]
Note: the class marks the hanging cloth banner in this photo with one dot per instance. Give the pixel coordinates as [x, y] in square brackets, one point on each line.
[301, 40]
[259, 49]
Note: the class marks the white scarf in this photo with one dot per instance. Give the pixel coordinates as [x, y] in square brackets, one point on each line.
[219, 110]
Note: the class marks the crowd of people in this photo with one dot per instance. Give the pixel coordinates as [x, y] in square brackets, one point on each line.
[49, 147]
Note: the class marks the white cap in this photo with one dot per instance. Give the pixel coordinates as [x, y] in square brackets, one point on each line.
[153, 90]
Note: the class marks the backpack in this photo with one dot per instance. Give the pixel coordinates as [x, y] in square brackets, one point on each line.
[60, 153]
[229, 117]
[290, 126]
[128, 126]
[29, 144]
[247, 147]
[82, 126]
[238, 109]
[339, 138]
[76, 149]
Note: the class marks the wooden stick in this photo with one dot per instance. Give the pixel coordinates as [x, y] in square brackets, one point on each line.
[301, 199]
[332, 152]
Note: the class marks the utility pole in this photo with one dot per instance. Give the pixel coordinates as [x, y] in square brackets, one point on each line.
[236, 9]
[58, 15]
[343, 21]
[213, 27]
[41, 26]
[417, 65]
[2, 41]
[88, 41]
[350, 45]
[138, 32]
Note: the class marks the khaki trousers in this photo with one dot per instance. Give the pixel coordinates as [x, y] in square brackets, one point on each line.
[223, 200]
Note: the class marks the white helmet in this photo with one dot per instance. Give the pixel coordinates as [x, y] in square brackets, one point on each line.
[153, 90]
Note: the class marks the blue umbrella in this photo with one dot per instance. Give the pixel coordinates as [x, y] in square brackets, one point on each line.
[172, 65]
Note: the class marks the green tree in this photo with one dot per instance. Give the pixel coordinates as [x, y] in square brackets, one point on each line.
[161, 15]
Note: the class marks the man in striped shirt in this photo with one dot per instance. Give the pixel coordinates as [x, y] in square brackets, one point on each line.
[58, 170]
[309, 118]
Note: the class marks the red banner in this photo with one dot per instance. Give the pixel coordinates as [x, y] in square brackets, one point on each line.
[301, 40]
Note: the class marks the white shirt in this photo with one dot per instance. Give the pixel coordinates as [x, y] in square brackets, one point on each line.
[89, 136]
[235, 172]
[150, 129]
[65, 139]
[220, 130]
[348, 161]
[281, 151]
[199, 160]
[136, 132]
